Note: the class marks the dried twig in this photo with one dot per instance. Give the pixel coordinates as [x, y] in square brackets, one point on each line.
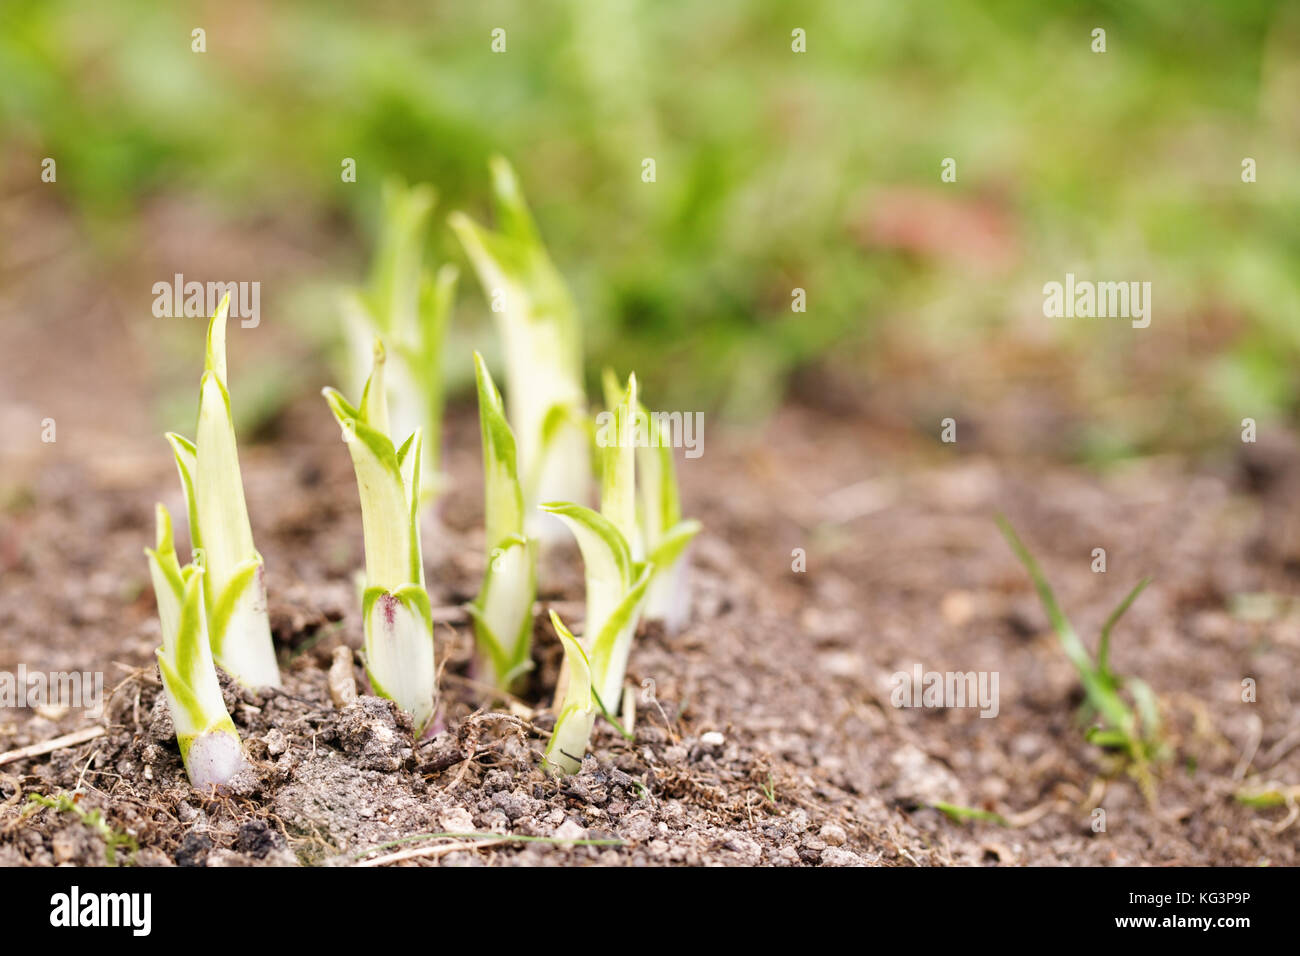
[49, 746]
[431, 851]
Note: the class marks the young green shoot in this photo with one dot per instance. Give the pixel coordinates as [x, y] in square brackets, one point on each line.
[960, 814]
[396, 615]
[616, 592]
[234, 592]
[503, 611]
[540, 333]
[409, 308]
[93, 819]
[577, 712]
[207, 737]
[1132, 730]
[663, 536]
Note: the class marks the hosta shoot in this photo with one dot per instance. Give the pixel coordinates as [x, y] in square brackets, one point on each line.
[540, 334]
[409, 308]
[663, 536]
[1133, 730]
[207, 737]
[616, 588]
[576, 712]
[396, 615]
[503, 612]
[234, 593]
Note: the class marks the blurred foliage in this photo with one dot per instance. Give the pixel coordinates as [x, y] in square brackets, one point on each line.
[773, 167]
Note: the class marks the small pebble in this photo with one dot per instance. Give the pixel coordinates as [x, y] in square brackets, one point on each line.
[342, 683]
[833, 834]
[457, 820]
[570, 830]
[837, 856]
[275, 741]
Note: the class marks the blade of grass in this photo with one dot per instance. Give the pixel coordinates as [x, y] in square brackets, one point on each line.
[1103, 646]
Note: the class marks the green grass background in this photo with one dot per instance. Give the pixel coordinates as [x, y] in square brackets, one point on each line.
[1122, 165]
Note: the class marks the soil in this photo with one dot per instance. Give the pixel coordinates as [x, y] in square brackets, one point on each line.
[769, 737]
[765, 732]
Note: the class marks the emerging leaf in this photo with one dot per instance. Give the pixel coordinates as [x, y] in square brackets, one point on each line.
[617, 584]
[605, 556]
[618, 441]
[611, 646]
[234, 594]
[662, 536]
[209, 743]
[399, 649]
[410, 308]
[577, 713]
[503, 619]
[396, 614]
[539, 329]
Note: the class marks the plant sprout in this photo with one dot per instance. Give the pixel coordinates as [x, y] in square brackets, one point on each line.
[1135, 731]
[234, 593]
[503, 612]
[663, 536]
[396, 614]
[409, 308]
[577, 710]
[543, 354]
[616, 592]
[207, 737]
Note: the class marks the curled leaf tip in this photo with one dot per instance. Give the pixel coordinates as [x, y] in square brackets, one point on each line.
[215, 359]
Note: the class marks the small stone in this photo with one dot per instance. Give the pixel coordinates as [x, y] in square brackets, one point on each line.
[456, 820]
[833, 834]
[712, 740]
[570, 830]
[342, 681]
[837, 856]
[276, 742]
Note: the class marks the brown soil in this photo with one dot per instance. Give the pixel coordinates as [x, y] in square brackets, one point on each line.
[792, 669]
